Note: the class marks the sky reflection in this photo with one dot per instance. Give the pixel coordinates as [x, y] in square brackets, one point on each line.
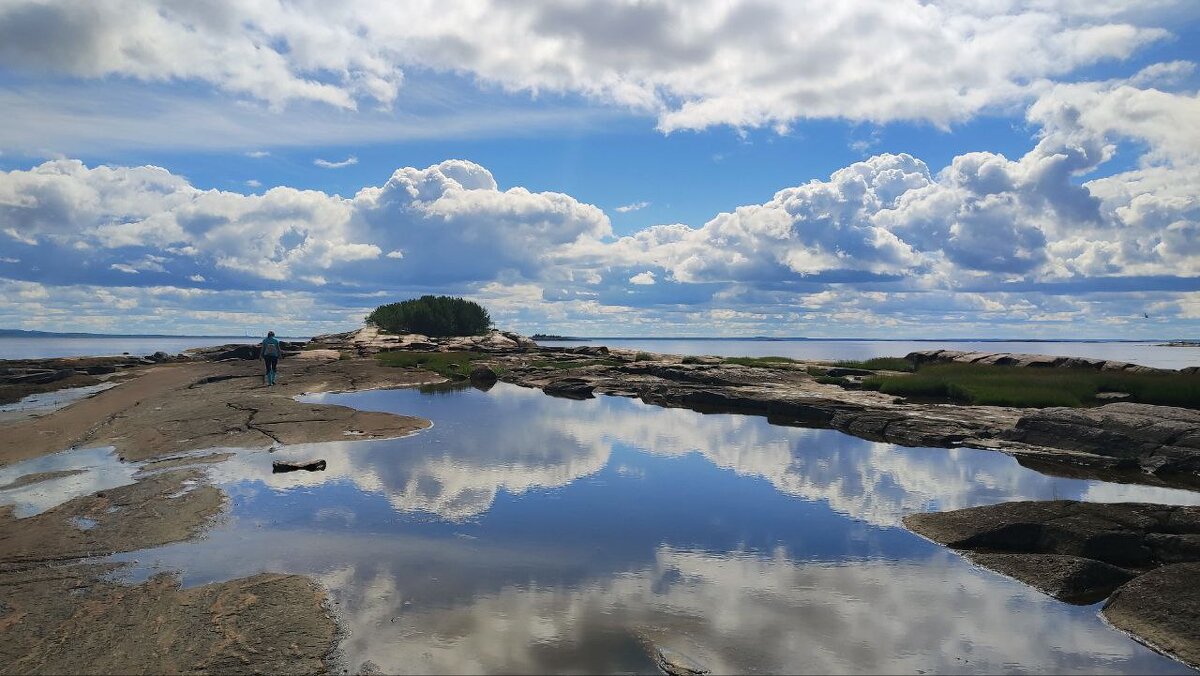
[524, 533]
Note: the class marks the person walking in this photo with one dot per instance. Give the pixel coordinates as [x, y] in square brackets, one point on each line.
[271, 351]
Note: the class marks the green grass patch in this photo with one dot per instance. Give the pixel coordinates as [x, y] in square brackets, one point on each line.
[563, 364]
[762, 362]
[643, 356]
[878, 364]
[1037, 387]
[453, 365]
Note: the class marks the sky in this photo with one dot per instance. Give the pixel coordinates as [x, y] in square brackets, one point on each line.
[876, 169]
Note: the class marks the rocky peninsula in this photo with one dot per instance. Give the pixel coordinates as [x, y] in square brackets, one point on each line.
[60, 604]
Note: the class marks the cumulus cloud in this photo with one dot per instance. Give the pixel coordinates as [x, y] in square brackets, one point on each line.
[1030, 239]
[692, 64]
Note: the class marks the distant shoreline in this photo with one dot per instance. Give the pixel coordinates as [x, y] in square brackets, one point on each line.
[17, 333]
[796, 339]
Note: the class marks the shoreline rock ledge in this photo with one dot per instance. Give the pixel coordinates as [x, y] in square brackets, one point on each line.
[1145, 558]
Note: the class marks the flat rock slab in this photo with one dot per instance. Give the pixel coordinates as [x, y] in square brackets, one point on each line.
[1072, 579]
[1122, 534]
[1162, 608]
[71, 619]
[1156, 438]
[1080, 552]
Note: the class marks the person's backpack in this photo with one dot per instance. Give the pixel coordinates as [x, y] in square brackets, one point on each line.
[271, 349]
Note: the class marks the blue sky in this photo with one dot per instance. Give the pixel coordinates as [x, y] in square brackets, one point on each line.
[1001, 168]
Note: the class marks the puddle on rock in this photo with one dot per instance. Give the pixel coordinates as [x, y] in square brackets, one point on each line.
[48, 402]
[524, 533]
[68, 474]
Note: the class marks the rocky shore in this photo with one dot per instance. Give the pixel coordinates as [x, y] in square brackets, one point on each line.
[169, 405]
[1145, 559]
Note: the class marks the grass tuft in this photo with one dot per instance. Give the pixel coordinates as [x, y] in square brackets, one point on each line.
[452, 365]
[762, 362]
[878, 364]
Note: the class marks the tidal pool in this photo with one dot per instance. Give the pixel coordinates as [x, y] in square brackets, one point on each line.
[524, 533]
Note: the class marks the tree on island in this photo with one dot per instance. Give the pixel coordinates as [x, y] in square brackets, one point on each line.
[432, 316]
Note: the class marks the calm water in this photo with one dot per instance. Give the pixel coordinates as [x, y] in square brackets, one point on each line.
[43, 348]
[1147, 354]
[527, 534]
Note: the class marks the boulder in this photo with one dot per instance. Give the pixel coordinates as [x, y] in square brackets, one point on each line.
[236, 352]
[483, 375]
[570, 388]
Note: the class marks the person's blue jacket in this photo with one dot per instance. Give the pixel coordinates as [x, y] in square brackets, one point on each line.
[271, 347]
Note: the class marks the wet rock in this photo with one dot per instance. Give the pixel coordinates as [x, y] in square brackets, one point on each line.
[159, 356]
[909, 429]
[1122, 534]
[1162, 608]
[281, 466]
[1073, 579]
[674, 663]
[570, 388]
[38, 376]
[1157, 438]
[483, 375]
[1080, 551]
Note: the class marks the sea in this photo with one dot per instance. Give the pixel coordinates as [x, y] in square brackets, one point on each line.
[1147, 353]
[45, 347]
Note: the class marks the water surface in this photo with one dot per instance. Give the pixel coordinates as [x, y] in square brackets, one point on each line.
[1145, 353]
[529, 534]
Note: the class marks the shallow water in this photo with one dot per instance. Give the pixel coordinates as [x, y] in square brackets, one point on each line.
[1144, 353]
[42, 403]
[524, 533]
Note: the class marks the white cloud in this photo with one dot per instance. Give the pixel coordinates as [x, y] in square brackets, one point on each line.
[122, 267]
[692, 64]
[326, 164]
[258, 154]
[253, 183]
[636, 206]
[642, 278]
[196, 278]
